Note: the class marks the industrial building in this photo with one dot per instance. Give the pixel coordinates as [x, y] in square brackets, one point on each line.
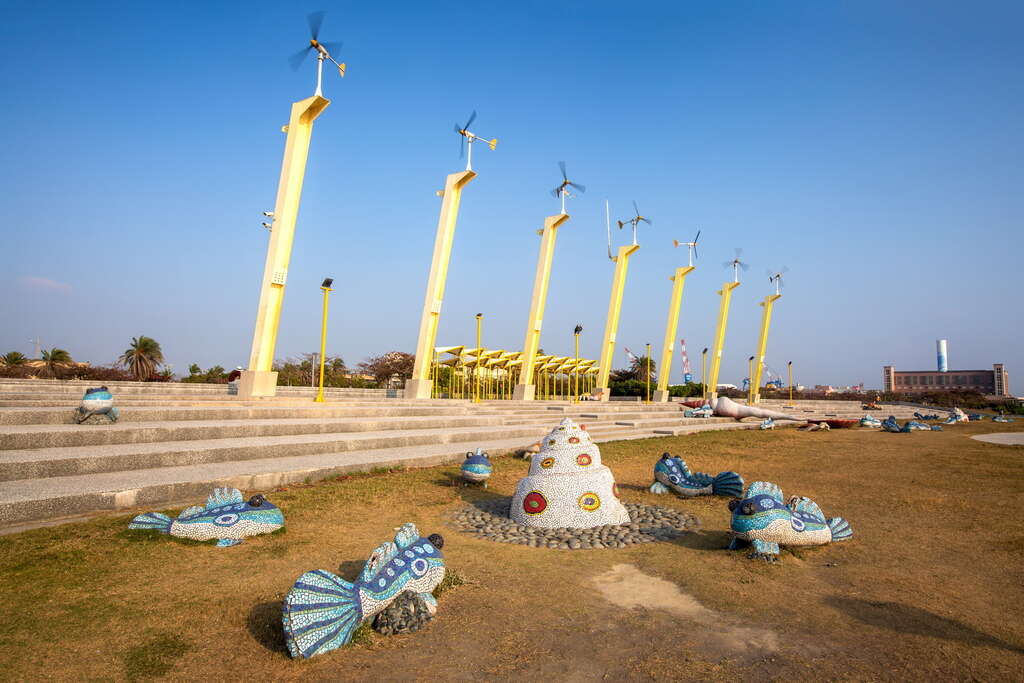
[994, 382]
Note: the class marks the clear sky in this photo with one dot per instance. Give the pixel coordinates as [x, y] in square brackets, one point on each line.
[875, 148]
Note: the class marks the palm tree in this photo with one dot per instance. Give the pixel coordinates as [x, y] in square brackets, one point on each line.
[53, 358]
[143, 357]
[13, 358]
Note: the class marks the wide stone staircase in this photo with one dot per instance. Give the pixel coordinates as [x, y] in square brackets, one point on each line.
[174, 442]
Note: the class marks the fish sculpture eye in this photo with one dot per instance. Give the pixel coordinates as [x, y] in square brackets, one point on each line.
[437, 540]
[257, 500]
[748, 508]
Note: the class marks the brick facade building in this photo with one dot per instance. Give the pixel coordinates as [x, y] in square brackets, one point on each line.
[994, 382]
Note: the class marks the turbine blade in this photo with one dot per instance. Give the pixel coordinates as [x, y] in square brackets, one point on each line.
[648, 221]
[744, 266]
[697, 238]
[726, 264]
[457, 129]
[472, 118]
[561, 165]
[580, 188]
[635, 208]
[296, 60]
[694, 251]
[785, 269]
[555, 192]
[334, 46]
[739, 252]
[315, 19]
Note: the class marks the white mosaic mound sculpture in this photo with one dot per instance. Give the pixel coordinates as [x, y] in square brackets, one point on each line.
[567, 485]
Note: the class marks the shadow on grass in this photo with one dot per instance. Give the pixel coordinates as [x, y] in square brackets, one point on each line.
[154, 657]
[914, 620]
[264, 625]
[705, 540]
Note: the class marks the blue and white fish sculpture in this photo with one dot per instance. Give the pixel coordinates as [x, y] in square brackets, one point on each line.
[477, 468]
[97, 401]
[890, 424]
[974, 417]
[921, 426]
[704, 411]
[951, 420]
[1001, 418]
[764, 522]
[321, 611]
[767, 423]
[672, 474]
[870, 421]
[226, 517]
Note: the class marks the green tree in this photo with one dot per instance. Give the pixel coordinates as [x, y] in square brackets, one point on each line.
[54, 358]
[13, 358]
[194, 369]
[142, 358]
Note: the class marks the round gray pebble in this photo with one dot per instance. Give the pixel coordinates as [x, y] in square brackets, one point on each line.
[488, 519]
[407, 613]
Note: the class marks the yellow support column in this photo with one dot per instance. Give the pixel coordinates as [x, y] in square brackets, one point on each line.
[419, 386]
[716, 354]
[762, 345]
[611, 328]
[665, 368]
[260, 379]
[525, 389]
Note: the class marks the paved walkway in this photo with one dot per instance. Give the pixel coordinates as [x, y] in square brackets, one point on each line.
[1004, 439]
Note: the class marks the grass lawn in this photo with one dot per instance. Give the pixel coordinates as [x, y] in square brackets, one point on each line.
[930, 587]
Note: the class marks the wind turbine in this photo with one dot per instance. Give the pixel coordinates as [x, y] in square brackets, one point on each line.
[323, 51]
[692, 246]
[469, 138]
[634, 221]
[562, 190]
[776, 278]
[736, 264]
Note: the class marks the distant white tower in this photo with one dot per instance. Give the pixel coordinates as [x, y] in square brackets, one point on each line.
[940, 352]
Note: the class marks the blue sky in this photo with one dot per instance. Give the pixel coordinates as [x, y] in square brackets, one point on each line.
[873, 147]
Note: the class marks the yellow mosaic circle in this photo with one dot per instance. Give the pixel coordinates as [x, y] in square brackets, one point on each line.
[589, 501]
[547, 463]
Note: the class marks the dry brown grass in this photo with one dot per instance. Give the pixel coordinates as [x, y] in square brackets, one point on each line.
[930, 587]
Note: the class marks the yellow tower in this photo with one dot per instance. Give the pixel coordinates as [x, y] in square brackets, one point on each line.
[664, 369]
[260, 379]
[762, 345]
[526, 389]
[716, 354]
[420, 384]
[611, 328]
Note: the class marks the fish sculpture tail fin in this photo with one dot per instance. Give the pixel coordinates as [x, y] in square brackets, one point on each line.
[320, 613]
[727, 484]
[152, 520]
[841, 530]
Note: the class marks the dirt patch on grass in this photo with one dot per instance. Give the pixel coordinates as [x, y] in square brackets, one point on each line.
[929, 587]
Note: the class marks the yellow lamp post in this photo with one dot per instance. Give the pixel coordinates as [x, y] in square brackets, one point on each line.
[479, 353]
[611, 329]
[704, 374]
[648, 373]
[326, 287]
[790, 366]
[750, 380]
[576, 375]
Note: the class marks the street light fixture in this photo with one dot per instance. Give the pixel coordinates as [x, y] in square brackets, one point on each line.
[576, 390]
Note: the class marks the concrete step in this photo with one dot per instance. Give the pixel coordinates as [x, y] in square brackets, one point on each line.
[31, 500]
[49, 436]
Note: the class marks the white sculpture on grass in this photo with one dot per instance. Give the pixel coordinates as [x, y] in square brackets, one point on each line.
[567, 485]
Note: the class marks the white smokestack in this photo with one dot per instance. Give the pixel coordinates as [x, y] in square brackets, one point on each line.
[940, 352]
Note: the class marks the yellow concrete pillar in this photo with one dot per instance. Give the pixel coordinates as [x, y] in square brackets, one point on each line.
[762, 345]
[665, 368]
[716, 354]
[525, 389]
[419, 386]
[259, 379]
[611, 327]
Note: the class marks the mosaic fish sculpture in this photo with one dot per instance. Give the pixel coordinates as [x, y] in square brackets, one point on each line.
[97, 401]
[890, 424]
[321, 611]
[951, 420]
[870, 421]
[672, 474]
[1001, 418]
[723, 406]
[974, 417]
[923, 418]
[767, 423]
[226, 517]
[703, 411]
[764, 522]
[477, 468]
[914, 425]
